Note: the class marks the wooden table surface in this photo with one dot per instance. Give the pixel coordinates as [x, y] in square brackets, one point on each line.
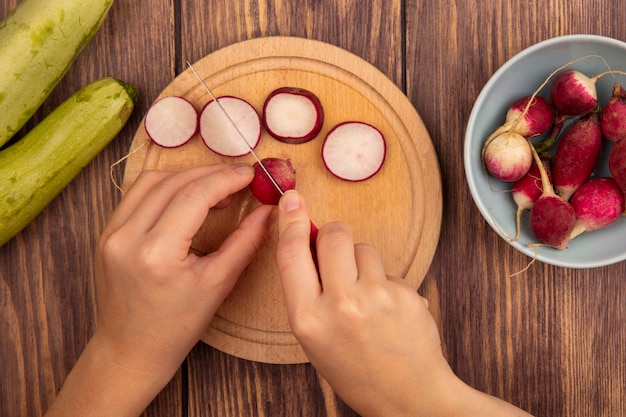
[552, 340]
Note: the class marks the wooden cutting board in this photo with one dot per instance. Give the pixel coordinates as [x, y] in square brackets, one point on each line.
[398, 210]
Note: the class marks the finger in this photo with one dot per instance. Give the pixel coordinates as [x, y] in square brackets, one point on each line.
[368, 263]
[336, 257]
[154, 202]
[137, 192]
[239, 249]
[188, 208]
[293, 254]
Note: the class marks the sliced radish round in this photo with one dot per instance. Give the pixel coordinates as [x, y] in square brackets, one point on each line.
[354, 151]
[171, 121]
[293, 115]
[220, 135]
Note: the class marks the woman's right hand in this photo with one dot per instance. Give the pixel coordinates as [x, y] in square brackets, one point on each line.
[370, 335]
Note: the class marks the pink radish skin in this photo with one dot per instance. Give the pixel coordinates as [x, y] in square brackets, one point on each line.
[613, 119]
[507, 157]
[293, 115]
[262, 187]
[527, 190]
[530, 118]
[617, 163]
[354, 151]
[218, 133]
[598, 203]
[576, 155]
[171, 121]
[552, 218]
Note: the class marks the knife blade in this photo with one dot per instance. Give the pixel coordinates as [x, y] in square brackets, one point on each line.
[314, 230]
[239, 133]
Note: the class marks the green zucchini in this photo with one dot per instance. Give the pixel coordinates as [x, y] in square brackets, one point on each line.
[39, 40]
[35, 169]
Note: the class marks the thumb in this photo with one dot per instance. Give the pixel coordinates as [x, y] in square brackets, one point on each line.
[293, 252]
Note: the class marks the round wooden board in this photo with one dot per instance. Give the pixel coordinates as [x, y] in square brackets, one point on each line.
[398, 210]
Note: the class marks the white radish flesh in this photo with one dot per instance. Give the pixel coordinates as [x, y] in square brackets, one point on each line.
[219, 134]
[354, 151]
[171, 121]
[293, 115]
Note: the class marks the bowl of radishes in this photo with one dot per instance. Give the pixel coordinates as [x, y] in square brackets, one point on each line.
[545, 151]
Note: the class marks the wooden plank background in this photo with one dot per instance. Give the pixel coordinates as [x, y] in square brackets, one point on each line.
[552, 341]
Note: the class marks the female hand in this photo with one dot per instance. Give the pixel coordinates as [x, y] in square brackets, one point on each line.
[370, 335]
[155, 297]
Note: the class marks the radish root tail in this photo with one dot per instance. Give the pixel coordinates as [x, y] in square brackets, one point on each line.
[119, 161]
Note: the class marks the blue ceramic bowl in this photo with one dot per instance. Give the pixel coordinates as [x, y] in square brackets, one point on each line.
[521, 76]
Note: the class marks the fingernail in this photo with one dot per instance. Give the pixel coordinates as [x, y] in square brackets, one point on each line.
[244, 169]
[290, 201]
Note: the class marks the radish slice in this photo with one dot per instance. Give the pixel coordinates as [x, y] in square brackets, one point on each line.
[354, 151]
[220, 135]
[171, 121]
[293, 115]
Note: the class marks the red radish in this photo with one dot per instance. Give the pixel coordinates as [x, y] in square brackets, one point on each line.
[551, 217]
[527, 190]
[171, 121]
[598, 203]
[507, 156]
[613, 119]
[262, 187]
[573, 93]
[354, 151]
[617, 163]
[577, 155]
[530, 116]
[219, 134]
[293, 115]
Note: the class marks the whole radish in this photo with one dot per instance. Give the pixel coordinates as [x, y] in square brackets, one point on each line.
[530, 116]
[527, 190]
[598, 203]
[506, 153]
[574, 94]
[617, 163]
[613, 119]
[552, 218]
[263, 188]
[577, 155]
[507, 156]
